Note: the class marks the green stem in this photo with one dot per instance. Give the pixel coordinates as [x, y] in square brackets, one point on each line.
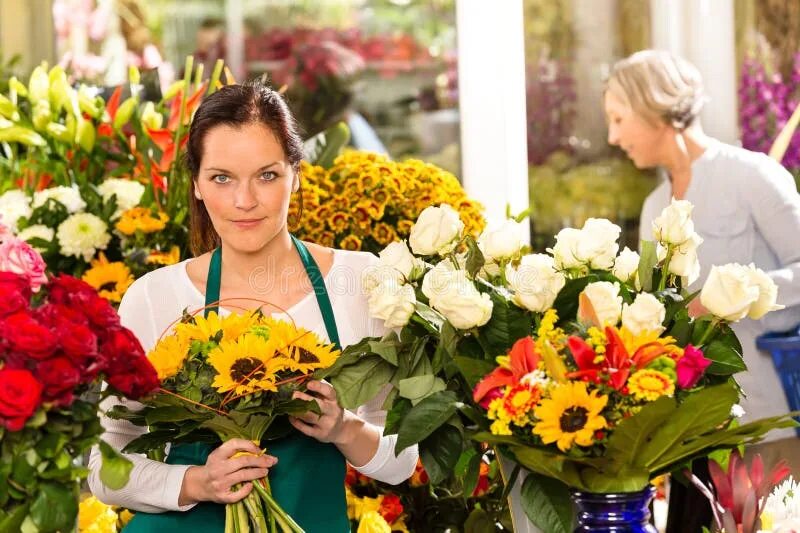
[476, 333]
[242, 518]
[230, 524]
[256, 511]
[662, 283]
[286, 522]
[217, 72]
[707, 333]
[187, 77]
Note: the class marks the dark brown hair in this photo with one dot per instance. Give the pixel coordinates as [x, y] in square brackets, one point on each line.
[235, 105]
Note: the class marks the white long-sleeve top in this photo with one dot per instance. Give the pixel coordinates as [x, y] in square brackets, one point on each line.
[155, 300]
[747, 210]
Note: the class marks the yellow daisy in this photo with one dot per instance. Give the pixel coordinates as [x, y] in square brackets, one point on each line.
[110, 279]
[650, 385]
[570, 416]
[214, 327]
[246, 364]
[168, 356]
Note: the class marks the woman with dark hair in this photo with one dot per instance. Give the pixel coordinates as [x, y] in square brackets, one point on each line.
[244, 156]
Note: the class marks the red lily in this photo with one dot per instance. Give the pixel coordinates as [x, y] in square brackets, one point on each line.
[164, 138]
[105, 129]
[523, 359]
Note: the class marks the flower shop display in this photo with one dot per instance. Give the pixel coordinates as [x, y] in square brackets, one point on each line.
[365, 201]
[225, 377]
[582, 364]
[59, 339]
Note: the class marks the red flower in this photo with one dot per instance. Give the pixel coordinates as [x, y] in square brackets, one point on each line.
[78, 294]
[391, 509]
[53, 314]
[523, 359]
[139, 379]
[691, 367]
[118, 348]
[419, 477]
[59, 377]
[20, 395]
[483, 481]
[16, 291]
[26, 336]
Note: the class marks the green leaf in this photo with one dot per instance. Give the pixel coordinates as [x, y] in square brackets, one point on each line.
[51, 444]
[632, 434]
[726, 360]
[566, 303]
[115, 469]
[433, 320]
[323, 148]
[395, 416]
[357, 384]
[387, 350]
[648, 259]
[419, 387]
[479, 522]
[508, 324]
[55, 507]
[475, 259]
[473, 370]
[472, 473]
[681, 330]
[549, 464]
[174, 413]
[440, 452]
[546, 502]
[13, 521]
[424, 418]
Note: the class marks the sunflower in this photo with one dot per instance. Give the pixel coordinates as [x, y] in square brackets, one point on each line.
[308, 353]
[168, 356]
[214, 327]
[246, 364]
[158, 257]
[649, 385]
[111, 280]
[570, 416]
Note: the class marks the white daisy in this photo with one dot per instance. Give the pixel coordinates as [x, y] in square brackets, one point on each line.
[37, 231]
[81, 235]
[129, 193]
[69, 197]
[14, 205]
[783, 505]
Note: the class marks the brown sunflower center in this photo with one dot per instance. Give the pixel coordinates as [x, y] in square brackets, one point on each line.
[573, 419]
[110, 286]
[247, 368]
[307, 357]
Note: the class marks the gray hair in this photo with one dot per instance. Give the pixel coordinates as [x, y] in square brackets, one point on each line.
[659, 86]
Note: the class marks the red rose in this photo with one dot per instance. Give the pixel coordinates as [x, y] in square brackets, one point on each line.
[64, 288]
[16, 293]
[78, 294]
[119, 346]
[20, 395]
[26, 336]
[391, 508]
[54, 314]
[59, 376]
[139, 379]
[78, 342]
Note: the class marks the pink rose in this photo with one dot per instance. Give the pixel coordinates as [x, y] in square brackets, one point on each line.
[691, 366]
[18, 257]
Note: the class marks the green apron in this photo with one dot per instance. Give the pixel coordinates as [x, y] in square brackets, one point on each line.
[308, 481]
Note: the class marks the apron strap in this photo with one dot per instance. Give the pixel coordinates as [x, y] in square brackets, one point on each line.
[213, 281]
[318, 282]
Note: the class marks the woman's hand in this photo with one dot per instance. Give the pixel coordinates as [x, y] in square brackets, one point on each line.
[329, 425]
[214, 480]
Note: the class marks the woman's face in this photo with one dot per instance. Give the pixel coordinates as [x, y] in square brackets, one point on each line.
[642, 141]
[245, 183]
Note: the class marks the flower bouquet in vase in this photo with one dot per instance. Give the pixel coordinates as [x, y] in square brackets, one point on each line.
[58, 341]
[226, 377]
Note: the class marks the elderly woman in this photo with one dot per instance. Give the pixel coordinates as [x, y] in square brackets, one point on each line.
[747, 209]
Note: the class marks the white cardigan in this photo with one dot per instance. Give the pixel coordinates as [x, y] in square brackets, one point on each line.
[155, 300]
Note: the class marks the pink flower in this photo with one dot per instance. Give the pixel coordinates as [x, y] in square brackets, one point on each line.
[691, 367]
[18, 257]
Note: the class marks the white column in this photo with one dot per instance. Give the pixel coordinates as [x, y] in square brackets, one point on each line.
[685, 27]
[491, 84]
[234, 32]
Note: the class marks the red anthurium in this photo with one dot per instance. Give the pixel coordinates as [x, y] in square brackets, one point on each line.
[523, 359]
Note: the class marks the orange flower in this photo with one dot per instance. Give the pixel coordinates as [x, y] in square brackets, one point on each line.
[483, 481]
[419, 477]
[391, 508]
[523, 359]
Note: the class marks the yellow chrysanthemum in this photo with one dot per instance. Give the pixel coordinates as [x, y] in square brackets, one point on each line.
[339, 222]
[141, 219]
[96, 517]
[384, 234]
[247, 364]
[649, 385]
[168, 355]
[351, 242]
[206, 328]
[110, 279]
[358, 507]
[373, 522]
[570, 416]
[157, 257]
[308, 354]
[326, 238]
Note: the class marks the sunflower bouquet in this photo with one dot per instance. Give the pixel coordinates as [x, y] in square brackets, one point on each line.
[582, 364]
[225, 377]
[366, 201]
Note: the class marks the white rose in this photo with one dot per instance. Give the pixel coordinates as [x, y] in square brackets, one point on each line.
[128, 192]
[674, 225]
[397, 255]
[684, 260]
[502, 242]
[461, 303]
[605, 302]
[436, 282]
[535, 282]
[626, 266]
[39, 231]
[376, 274]
[728, 292]
[69, 197]
[490, 271]
[598, 246]
[436, 231]
[14, 205]
[393, 303]
[646, 313]
[566, 247]
[767, 294]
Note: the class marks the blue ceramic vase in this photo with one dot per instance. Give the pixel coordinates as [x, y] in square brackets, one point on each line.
[626, 512]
